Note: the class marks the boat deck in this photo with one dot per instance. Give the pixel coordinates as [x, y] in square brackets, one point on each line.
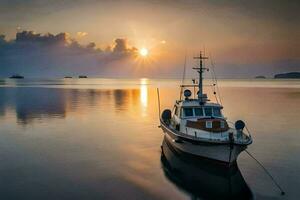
[212, 137]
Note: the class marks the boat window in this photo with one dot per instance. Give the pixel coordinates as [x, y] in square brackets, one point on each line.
[208, 111]
[188, 112]
[217, 112]
[222, 124]
[198, 111]
[208, 124]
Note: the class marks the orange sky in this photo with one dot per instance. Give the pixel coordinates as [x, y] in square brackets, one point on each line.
[238, 33]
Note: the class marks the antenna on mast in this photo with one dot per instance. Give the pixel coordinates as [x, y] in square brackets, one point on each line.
[201, 97]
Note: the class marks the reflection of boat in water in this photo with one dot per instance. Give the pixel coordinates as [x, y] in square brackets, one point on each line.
[16, 76]
[201, 179]
[198, 127]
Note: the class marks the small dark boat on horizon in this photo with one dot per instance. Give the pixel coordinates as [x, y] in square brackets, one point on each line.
[68, 77]
[16, 76]
[82, 76]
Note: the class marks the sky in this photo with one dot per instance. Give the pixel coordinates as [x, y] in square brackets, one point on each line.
[55, 38]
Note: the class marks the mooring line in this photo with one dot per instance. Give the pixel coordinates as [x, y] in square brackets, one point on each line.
[267, 172]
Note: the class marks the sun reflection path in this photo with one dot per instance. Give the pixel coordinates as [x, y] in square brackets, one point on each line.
[144, 95]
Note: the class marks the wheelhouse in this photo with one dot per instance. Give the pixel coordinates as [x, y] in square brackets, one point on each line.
[194, 111]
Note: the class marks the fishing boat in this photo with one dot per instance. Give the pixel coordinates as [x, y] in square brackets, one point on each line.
[197, 126]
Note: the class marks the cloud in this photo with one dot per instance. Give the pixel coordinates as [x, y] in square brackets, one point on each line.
[91, 45]
[121, 45]
[81, 34]
[36, 38]
[48, 55]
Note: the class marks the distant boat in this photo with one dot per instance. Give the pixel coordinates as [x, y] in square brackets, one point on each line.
[16, 76]
[82, 76]
[68, 77]
[198, 127]
[260, 77]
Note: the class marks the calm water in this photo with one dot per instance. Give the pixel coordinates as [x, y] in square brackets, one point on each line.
[98, 139]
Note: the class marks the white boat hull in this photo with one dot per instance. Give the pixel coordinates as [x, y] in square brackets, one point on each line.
[224, 153]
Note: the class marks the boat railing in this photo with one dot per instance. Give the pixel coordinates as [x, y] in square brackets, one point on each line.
[212, 136]
[239, 136]
[225, 136]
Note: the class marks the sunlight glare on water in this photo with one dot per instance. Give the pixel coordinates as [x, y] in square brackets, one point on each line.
[144, 94]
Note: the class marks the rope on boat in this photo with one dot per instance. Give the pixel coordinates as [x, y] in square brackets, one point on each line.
[267, 172]
[215, 78]
[183, 76]
[214, 90]
[261, 165]
[213, 86]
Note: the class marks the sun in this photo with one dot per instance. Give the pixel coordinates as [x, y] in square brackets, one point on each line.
[144, 52]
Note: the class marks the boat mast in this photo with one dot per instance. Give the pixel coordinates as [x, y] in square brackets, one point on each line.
[200, 70]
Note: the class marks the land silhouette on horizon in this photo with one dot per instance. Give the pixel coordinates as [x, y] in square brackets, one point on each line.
[288, 75]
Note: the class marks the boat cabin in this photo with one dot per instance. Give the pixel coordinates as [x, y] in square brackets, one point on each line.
[189, 116]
